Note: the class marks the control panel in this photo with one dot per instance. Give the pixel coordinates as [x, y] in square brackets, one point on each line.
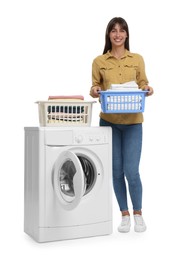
[90, 137]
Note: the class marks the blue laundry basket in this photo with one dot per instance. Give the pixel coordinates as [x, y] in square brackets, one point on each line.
[122, 101]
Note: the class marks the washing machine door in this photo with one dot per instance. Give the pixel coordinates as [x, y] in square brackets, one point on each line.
[69, 180]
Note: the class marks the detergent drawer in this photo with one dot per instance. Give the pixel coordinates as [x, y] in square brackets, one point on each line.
[58, 136]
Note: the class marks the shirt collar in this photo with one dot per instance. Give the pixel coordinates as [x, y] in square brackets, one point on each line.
[109, 55]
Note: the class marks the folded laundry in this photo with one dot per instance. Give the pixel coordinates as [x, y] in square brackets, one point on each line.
[66, 119]
[66, 100]
[80, 97]
[128, 86]
[65, 116]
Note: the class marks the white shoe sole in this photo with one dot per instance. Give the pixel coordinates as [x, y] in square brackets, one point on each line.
[140, 230]
[124, 230]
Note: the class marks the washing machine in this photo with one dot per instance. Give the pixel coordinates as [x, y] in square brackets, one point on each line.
[67, 182]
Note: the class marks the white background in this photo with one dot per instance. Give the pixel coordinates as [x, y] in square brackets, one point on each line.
[47, 48]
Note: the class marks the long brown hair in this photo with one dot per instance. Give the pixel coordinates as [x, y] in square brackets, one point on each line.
[109, 28]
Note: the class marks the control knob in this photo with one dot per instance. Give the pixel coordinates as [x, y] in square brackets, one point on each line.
[79, 139]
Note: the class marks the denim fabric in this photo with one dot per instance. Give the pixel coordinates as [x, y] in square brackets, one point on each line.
[127, 144]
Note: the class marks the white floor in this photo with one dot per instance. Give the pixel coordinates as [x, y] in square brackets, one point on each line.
[162, 239]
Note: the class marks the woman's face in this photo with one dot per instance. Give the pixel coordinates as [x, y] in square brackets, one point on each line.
[117, 36]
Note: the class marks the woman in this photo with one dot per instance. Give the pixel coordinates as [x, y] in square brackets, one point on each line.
[118, 65]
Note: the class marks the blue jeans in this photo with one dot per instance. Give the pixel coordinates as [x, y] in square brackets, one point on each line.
[126, 147]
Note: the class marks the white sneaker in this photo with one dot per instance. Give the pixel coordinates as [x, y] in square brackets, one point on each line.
[125, 224]
[140, 225]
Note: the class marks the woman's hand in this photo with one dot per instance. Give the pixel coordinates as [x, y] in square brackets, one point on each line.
[149, 89]
[94, 91]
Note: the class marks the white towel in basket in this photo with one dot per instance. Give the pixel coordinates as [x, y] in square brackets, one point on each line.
[127, 86]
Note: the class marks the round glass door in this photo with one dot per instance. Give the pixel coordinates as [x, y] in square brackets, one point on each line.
[69, 180]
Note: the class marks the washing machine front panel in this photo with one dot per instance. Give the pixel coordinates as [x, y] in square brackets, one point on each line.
[94, 160]
[68, 180]
[59, 152]
[96, 192]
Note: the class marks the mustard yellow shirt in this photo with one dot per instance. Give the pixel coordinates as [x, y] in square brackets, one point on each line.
[107, 70]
